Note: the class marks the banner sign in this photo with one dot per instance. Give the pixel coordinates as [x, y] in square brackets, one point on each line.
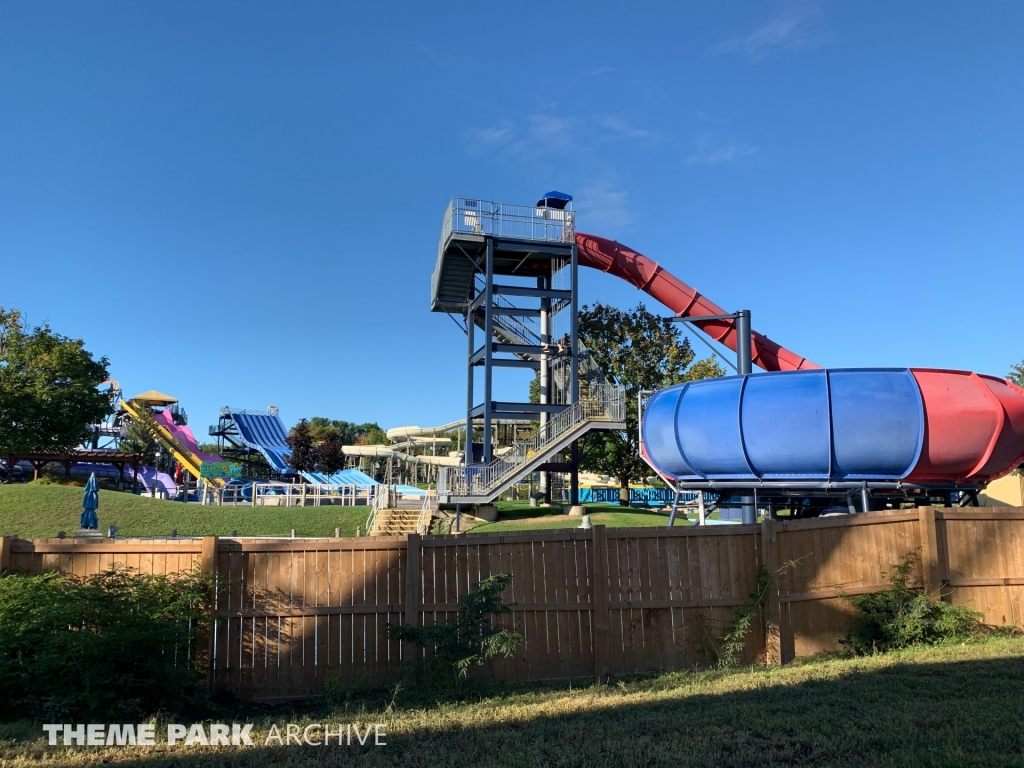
[220, 470]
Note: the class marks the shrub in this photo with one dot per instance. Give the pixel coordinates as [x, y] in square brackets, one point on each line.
[900, 616]
[110, 643]
[469, 639]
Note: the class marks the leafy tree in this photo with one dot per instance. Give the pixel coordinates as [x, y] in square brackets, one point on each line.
[138, 438]
[300, 442]
[350, 433]
[1017, 374]
[640, 351]
[330, 456]
[48, 394]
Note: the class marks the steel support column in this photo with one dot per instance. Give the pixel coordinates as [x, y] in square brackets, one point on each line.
[488, 348]
[744, 365]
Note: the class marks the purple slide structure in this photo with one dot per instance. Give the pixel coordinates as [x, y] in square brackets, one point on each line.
[148, 475]
[183, 434]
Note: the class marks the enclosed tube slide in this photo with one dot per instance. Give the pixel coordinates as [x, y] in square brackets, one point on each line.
[862, 425]
[616, 259]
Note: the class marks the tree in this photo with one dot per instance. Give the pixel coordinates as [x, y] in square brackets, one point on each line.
[137, 437]
[330, 455]
[48, 394]
[300, 442]
[349, 432]
[1017, 374]
[639, 351]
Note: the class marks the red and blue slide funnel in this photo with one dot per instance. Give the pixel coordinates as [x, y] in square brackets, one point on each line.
[838, 425]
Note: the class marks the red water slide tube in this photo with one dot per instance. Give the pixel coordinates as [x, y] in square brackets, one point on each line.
[635, 268]
[973, 424]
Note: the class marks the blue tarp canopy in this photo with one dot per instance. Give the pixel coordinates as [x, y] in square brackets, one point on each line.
[555, 199]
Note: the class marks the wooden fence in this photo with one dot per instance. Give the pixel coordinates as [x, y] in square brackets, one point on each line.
[293, 614]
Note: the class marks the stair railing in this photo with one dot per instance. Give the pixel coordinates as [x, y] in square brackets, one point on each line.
[602, 402]
[426, 513]
[381, 497]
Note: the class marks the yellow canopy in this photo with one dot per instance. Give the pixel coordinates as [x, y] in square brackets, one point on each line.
[156, 398]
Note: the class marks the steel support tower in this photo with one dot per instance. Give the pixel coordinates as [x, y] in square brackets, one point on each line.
[511, 273]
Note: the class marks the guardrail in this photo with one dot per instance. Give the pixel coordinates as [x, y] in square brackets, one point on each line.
[426, 513]
[308, 494]
[382, 500]
[528, 222]
[604, 402]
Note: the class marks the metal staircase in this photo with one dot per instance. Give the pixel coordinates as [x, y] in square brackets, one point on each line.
[601, 406]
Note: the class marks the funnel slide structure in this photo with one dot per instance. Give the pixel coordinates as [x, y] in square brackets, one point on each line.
[913, 425]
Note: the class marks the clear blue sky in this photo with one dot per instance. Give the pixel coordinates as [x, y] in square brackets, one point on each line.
[239, 203]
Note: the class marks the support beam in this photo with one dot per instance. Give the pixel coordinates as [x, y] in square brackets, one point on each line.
[488, 343]
[524, 290]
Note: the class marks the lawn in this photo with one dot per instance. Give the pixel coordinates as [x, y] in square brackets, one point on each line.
[520, 516]
[34, 511]
[944, 706]
[38, 511]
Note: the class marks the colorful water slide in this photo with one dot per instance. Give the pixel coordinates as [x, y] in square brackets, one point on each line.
[160, 426]
[875, 425]
[343, 477]
[183, 434]
[266, 433]
[616, 259]
[147, 476]
[908, 425]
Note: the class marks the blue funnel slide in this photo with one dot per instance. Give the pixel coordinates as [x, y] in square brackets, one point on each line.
[265, 433]
[816, 425]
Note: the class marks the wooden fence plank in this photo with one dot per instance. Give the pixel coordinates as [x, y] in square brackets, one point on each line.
[599, 585]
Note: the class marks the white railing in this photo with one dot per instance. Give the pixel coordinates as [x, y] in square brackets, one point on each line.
[528, 222]
[311, 494]
[603, 402]
[381, 501]
[426, 513]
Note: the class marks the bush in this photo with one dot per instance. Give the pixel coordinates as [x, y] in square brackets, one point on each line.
[467, 640]
[110, 644]
[900, 616]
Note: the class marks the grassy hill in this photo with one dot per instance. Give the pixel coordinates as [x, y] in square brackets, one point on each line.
[38, 511]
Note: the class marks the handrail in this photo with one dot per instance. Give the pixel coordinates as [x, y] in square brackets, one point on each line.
[381, 499]
[603, 402]
[426, 513]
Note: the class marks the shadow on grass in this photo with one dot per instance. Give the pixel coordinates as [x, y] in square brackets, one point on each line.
[927, 714]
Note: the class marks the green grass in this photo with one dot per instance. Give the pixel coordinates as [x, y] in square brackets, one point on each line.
[520, 516]
[955, 705]
[38, 511]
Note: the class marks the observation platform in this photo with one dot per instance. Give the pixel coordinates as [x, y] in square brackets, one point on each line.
[526, 240]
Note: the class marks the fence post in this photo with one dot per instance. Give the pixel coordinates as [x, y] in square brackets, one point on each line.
[930, 576]
[411, 613]
[208, 566]
[599, 600]
[773, 613]
[5, 552]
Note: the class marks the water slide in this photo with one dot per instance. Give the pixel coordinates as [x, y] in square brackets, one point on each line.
[148, 476]
[867, 425]
[806, 424]
[183, 434]
[179, 441]
[397, 434]
[265, 433]
[616, 259]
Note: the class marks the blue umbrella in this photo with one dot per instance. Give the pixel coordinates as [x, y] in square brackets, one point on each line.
[90, 504]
